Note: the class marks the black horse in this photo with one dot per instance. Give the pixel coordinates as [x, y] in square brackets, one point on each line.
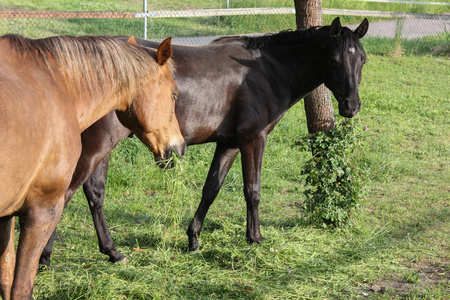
[233, 92]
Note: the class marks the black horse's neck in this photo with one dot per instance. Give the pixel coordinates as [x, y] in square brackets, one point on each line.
[299, 55]
[302, 54]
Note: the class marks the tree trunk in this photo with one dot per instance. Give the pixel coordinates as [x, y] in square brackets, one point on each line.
[318, 105]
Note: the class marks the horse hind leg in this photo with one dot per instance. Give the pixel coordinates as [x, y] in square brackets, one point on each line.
[221, 164]
[252, 156]
[94, 189]
[44, 260]
[7, 256]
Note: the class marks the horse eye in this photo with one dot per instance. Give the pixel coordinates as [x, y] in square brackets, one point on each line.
[335, 61]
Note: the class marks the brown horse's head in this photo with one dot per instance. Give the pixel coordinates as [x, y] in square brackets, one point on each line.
[151, 116]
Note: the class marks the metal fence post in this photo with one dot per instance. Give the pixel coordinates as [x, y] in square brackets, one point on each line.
[145, 19]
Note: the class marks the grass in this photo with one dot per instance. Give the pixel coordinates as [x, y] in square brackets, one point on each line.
[137, 5]
[179, 27]
[397, 249]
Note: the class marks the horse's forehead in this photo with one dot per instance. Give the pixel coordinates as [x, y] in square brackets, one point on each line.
[352, 46]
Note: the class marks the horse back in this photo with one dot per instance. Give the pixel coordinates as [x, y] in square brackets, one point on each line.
[208, 79]
[225, 90]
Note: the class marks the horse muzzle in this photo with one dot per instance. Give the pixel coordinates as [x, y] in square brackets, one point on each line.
[349, 108]
[171, 155]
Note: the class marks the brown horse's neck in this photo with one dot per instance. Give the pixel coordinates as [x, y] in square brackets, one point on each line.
[89, 104]
[90, 100]
[89, 108]
[98, 74]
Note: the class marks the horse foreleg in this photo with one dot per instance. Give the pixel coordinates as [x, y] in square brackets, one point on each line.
[94, 189]
[221, 164]
[252, 156]
[36, 226]
[7, 256]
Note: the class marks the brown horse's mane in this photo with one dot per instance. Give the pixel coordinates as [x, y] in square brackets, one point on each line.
[95, 63]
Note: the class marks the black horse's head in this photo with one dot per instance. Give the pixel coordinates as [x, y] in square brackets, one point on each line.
[344, 64]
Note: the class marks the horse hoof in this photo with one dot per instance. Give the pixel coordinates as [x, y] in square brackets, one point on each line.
[257, 240]
[43, 268]
[193, 246]
[123, 261]
[193, 249]
[118, 259]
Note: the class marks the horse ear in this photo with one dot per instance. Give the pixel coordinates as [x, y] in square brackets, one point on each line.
[164, 52]
[336, 27]
[132, 40]
[362, 28]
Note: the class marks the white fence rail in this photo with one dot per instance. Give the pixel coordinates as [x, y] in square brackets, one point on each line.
[192, 13]
[407, 2]
[412, 30]
[24, 22]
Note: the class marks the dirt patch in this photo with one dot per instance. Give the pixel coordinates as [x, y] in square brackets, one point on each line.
[421, 276]
[432, 272]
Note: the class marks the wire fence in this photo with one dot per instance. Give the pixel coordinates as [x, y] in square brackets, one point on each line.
[200, 26]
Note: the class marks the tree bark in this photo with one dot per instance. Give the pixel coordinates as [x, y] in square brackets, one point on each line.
[318, 105]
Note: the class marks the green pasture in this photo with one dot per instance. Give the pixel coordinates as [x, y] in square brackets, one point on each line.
[397, 246]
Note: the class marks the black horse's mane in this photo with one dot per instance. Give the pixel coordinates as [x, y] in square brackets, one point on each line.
[270, 39]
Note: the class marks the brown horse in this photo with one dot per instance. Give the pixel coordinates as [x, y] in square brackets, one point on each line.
[51, 90]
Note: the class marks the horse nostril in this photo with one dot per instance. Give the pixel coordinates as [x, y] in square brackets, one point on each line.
[179, 149]
[182, 150]
[348, 108]
[356, 108]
